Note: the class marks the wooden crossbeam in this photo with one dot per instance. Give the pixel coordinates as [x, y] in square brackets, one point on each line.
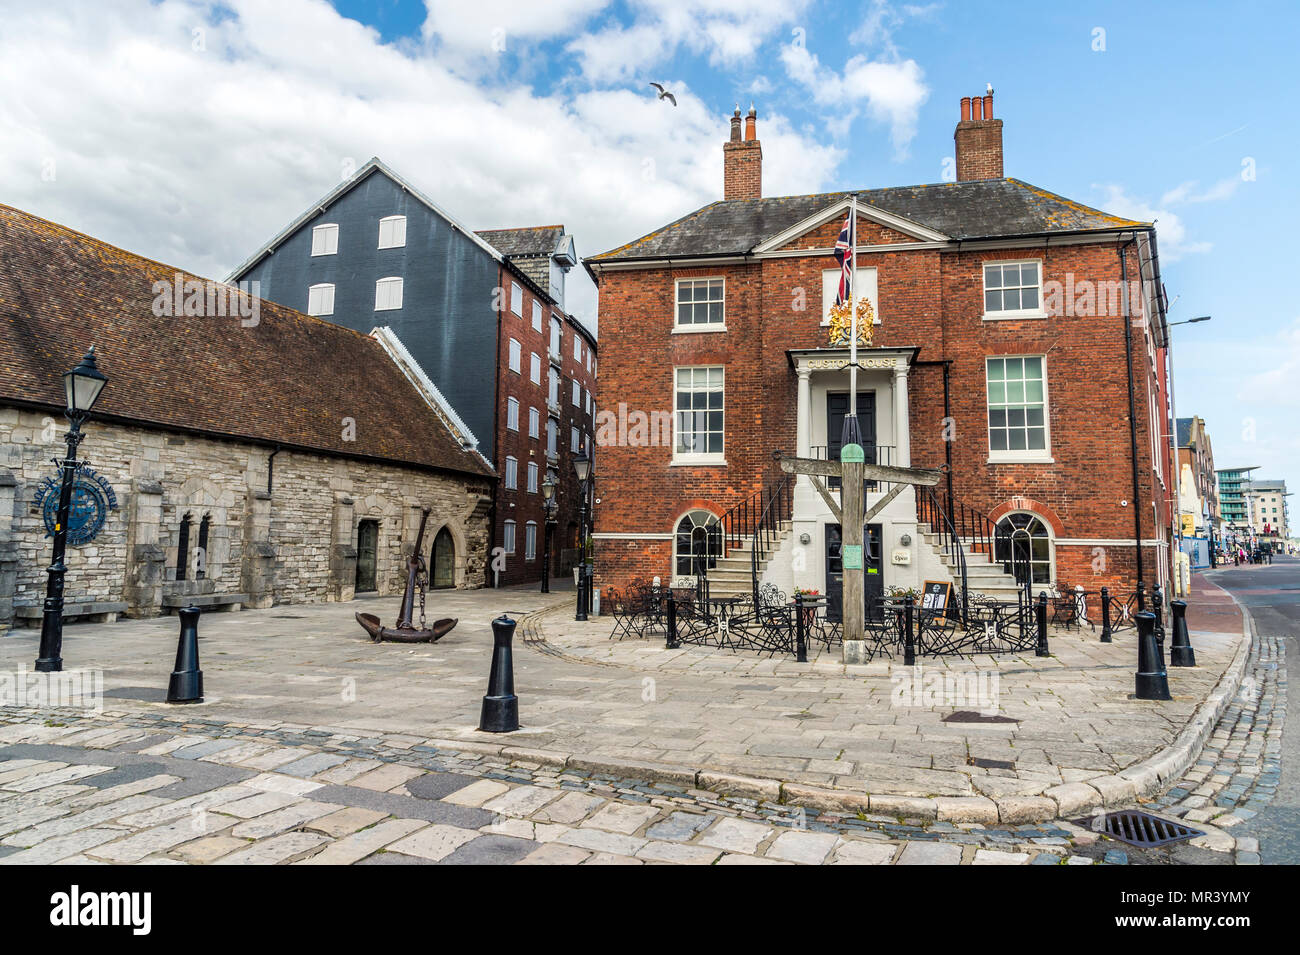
[881, 504]
[884, 473]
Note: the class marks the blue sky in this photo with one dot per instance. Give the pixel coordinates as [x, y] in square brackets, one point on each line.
[192, 131]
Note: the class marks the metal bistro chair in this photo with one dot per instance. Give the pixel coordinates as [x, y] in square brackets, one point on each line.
[624, 607]
[769, 626]
[696, 624]
[937, 634]
[882, 629]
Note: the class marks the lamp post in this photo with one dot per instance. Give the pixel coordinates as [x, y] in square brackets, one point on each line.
[1177, 523]
[82, 387]
[582, 467]
[548, 506]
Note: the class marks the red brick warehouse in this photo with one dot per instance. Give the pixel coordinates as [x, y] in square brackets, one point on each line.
[720, 323]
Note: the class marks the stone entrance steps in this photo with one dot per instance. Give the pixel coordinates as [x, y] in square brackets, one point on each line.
[982, 576]
[731, 576]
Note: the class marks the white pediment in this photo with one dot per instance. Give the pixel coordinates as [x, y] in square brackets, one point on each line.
[840, 209]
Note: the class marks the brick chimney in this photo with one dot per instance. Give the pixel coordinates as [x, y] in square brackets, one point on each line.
[978, 139]
[742, 159]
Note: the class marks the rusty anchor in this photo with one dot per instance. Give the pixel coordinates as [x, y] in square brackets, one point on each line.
[416, 580]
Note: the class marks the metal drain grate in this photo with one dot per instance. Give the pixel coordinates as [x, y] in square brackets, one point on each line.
[1140, 828]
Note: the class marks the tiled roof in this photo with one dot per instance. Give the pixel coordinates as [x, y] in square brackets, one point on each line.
[980, 209]
[529, 249]
[289, 379]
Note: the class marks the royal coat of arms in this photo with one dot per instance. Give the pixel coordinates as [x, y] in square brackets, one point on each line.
[841, 323]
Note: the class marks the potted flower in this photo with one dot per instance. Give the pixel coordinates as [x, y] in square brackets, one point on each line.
[809, 612]
[903, 594]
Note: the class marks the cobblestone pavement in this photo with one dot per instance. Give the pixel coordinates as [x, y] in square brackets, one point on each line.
[162, 789]
[1266, 782]
[248, 779]
[1060, 720]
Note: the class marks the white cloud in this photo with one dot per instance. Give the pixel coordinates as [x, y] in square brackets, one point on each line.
[888, 92]
[195, 156]
[485, 29]
[1225, 188]
[1170, 230]
[1270, 380]
[726, 33]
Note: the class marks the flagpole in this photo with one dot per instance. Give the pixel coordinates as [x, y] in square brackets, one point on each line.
[853, 311]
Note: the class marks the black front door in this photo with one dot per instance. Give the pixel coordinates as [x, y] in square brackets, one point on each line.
[367, 549]
[873, 579]
[837, 409]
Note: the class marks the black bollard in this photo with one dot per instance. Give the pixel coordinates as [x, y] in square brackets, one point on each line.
[1142, 595]
[1181, 653]
[673, 643]
[1151, 682]
[186, 684]
[800, 637]
[1041, 650]
[1105, 615]
[1157, 607]
[500, 713]
[909, 643]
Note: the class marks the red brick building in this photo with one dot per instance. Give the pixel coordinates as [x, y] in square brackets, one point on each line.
[546, 402]
[1001, 346]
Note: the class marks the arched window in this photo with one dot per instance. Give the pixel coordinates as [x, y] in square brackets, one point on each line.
[183, 547]
[697, 544]
[1024, 538]
[201, 564]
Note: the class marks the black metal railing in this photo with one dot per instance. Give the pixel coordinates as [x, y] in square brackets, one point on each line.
[929, 510]
[778, 508]
[738, 522]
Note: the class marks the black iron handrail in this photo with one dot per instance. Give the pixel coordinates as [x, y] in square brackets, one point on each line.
[930, 511]
[737, 523]
[778, 507]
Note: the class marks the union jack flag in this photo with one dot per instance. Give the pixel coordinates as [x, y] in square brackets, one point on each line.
[844, 256]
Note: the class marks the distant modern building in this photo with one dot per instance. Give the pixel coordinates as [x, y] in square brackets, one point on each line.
[483, 317]
[1232, 497]
[1267, 510]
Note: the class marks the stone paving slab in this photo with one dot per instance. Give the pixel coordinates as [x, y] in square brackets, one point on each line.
[607, 819]
[490, 800]
[603, 705]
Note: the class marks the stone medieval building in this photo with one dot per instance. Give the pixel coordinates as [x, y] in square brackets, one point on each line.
[246, 454]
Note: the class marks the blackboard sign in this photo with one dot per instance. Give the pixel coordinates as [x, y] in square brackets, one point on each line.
[935, 596]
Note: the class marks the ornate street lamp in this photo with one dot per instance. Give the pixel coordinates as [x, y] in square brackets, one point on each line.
[582, 467]
[548, 505]
[82, 387]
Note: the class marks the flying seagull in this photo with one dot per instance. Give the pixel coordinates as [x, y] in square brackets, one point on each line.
[664, 94]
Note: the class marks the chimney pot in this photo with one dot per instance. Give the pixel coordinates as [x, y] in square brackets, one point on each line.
[742, 159]
[978, 140]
